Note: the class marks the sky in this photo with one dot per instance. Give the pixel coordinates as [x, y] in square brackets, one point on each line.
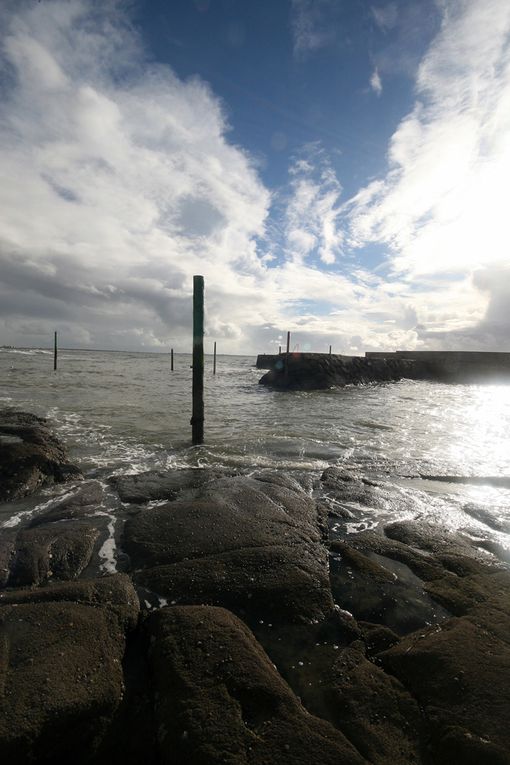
[334, 168]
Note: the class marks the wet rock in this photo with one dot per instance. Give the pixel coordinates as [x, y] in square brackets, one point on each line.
[353, 558]
[486, 516]
[114, 592]
[238, 539]
[61, 551]
[460, 594]
[382, 591]
[460, 675]
[62, 675]
[220, 700]
[420, 563]
[85, 501]
[7, 552]
[269, 582]
[377, 638]
[30, 456]
[373, 709]
[158, 484]
[429, 536]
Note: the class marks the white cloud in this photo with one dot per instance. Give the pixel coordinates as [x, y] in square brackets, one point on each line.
[311, 27]
[375, 82]
[119, 183]
[118, 180]
[313, 211]
[442, 207]
[385, 16]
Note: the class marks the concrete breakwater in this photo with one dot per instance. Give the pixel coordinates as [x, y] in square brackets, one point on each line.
[308, 371]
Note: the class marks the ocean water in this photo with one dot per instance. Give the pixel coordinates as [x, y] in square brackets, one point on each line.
[121, 413]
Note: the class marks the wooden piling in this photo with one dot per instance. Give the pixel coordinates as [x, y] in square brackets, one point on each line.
[214, 359]
[171, 359]
[197, 414]
[330, 350]
[279, 350]
[55, 353]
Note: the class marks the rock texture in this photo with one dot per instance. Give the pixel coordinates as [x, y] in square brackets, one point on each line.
[412, 664]
[220, 701]
[30, 456]
[62, 676]
[248, 544]
[58, 551]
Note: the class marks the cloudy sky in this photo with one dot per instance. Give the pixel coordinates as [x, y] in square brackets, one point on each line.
[336, 169]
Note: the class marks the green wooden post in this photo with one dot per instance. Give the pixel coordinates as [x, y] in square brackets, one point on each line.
[287, 356]
[55, 353]
[197, 415]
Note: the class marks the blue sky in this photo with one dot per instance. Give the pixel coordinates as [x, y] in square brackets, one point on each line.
[337, 169]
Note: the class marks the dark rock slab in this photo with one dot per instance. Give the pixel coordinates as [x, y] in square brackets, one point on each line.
[460, 675]
[220, 701]
[158, 484]
[421, 563]
[383, 591]
[238, 539]
[350, 491]
[269, 582]
[30, 456]
[460, 594]
[60, 551]
[114, 592]
[7, 553]
[373, 709]
[78, 504]
[61, 672]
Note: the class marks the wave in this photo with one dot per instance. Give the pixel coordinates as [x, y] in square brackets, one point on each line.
[27, 352]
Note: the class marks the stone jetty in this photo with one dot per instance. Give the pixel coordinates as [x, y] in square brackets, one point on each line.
[245, 625]
[314, 371]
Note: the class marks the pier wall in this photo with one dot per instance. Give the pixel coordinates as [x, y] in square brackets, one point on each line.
[308, 371]
[454, 366]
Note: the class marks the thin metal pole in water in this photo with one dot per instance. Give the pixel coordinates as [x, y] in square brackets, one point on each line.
[171, 359]
[197, 414]
[214, 360]
[55, 353]
[287, 356]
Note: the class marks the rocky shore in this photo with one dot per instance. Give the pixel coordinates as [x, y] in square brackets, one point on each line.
[245, 623]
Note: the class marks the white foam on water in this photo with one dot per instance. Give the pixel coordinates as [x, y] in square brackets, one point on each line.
[16, 519]
[108, 551]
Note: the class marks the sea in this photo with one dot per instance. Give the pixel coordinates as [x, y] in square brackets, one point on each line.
[440, 452]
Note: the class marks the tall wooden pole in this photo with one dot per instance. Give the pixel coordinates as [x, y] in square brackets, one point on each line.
[214, 359]
[171, 359]
[55, 353]
[330, 350]
[197, 415]
[279, 350]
